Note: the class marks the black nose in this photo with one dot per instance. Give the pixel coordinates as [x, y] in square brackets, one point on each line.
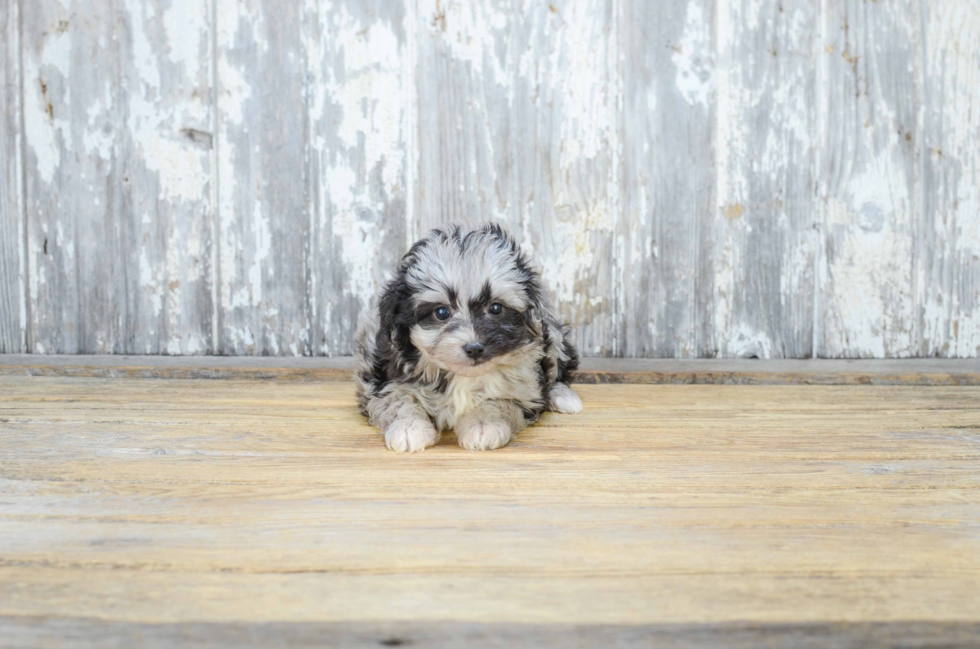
[473, 350]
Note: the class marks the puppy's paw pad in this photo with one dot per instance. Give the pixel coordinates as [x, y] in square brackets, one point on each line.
[484, 434]
[564, 400]
[410, 435]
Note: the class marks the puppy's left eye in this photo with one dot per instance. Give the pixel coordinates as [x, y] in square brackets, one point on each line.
[442, 313]
[496, 308]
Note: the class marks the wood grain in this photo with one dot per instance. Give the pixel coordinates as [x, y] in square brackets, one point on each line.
[697, 179]
[12, 305]
[464, 111]
[100, 634]
[359, 69]
[170, 502]
[563, 155]
[264, 213]
[949, 232]
[668, 188]
[764, 232]
[118, 139]
[870, 178]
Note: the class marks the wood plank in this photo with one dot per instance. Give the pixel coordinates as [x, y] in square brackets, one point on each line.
[517, 123]
[870, 178]
[13, 316]
[563, 152]
[923, 372]
[263, 174]
[949, 233]
[166, 158]
[85, 633]
[669, 149]
[362, 77]
[765, 231]
[464, 115]
[132, 504]
[118, 148]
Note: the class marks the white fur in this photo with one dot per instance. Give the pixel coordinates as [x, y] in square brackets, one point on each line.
[489, 426]
[410, 435]
[483, 435]
[467, 394]
[564, 400]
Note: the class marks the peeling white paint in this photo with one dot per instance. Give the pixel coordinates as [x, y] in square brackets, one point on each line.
[508, 72]
[745, 342]
[46, 131]
[98, 140]
[586, 118]
[872, 289]
[694, 57]
[185, 40]
[950, 284]
[150, 279]
[144, 58]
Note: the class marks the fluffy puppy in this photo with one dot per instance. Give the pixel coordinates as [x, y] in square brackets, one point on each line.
[462, 338]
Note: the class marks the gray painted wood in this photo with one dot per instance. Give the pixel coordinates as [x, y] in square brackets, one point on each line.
[765, 230]
[312, 170]
[360, 74]
[734, 371]
[948, 236]
[517, 121]
[869, 173]
[263, 248]
[117, 115]
[563, 150]
[77, 246]
[668, 189]
[12, 306]
[464, 111]
[85, 633]
[734, 178]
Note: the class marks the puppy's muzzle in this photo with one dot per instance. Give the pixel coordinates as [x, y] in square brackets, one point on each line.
[474, 350]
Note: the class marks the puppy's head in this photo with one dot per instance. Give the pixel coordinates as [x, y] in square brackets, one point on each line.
[465, 300]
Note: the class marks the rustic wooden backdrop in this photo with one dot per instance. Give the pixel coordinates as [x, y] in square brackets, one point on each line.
[772, 178]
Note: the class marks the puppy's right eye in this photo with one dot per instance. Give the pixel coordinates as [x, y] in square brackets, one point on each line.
[442, 313]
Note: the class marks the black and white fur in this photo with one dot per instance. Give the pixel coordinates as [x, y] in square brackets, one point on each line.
[462, 338]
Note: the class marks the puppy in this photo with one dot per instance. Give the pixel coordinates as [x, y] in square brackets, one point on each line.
[462, 338]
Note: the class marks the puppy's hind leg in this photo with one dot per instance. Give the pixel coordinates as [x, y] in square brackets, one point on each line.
[490, 425]
[564, 400]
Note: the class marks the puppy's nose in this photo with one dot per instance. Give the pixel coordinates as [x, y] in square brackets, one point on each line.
[473, 350]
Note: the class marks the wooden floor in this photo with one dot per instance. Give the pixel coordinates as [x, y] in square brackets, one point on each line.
[199, 513]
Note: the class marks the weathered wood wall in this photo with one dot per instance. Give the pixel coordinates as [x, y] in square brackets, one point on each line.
[772, 178]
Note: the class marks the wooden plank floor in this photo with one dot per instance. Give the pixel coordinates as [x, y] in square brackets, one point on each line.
[263, 513]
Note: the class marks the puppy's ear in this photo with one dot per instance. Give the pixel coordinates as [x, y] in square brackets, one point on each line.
[537, 307]
[391, 313]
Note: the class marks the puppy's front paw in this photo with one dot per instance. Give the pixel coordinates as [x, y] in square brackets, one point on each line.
[563, 399]
[483, 433]
[410, 435]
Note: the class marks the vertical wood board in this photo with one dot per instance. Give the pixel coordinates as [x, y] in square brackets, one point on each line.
[765, 232]
[668, 189]
[695, 178]
[361, 76]
[116, 120]
[264, 213]
[949, 232]
[870, 143]
[13, 316]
